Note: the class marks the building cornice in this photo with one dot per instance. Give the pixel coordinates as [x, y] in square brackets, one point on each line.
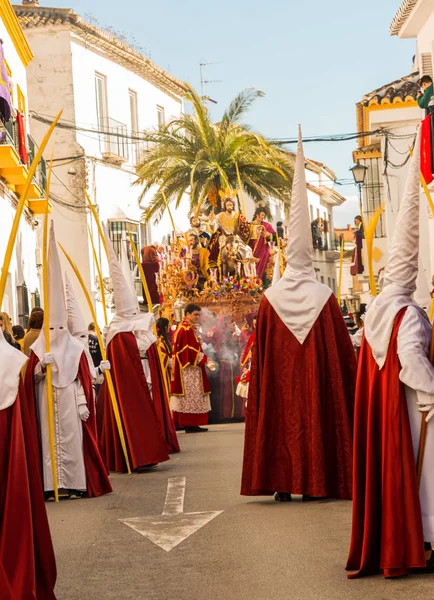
[401, 16]
[15, 32]
[37, 17]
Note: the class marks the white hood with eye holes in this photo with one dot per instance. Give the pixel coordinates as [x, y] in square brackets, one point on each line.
[65, 349]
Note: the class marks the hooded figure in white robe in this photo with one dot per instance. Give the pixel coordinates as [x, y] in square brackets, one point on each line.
[70, 408]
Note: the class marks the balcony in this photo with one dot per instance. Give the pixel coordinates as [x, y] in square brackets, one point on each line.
[114, 142]
[14, 171]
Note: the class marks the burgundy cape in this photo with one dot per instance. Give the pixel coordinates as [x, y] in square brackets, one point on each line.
[27, 563]
[97, 480]
[387, 532]
[261, 250]
[300, 408]
[161, 401]
[143, 434]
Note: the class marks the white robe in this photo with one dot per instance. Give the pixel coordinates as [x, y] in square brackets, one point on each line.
[68, 434]
[414, 338]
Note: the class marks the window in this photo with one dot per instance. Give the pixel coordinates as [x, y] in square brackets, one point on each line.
[101, 108]
[373, 194]
[134, 114]
[161, 116]
[119, 231]
[427, 64]
[134, 125]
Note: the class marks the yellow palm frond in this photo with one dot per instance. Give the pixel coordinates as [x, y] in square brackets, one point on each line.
[369, 236]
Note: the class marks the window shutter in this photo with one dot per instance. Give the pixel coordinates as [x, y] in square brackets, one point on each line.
[427, 64]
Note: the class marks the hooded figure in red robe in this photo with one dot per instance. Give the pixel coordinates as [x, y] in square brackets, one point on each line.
[138, 381]
[300, 404]
[79, 466]
[392, 515]
[27, 563]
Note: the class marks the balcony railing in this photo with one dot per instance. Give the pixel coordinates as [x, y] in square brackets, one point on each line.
[9, 136]
[114, 140]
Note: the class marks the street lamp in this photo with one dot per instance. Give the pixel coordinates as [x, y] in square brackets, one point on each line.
[359, 174]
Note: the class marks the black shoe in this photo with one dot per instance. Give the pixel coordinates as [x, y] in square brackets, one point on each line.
[147, 468]
[49, 497]
[196, 430]
[75, 495]
[313, 498]
[282, 497]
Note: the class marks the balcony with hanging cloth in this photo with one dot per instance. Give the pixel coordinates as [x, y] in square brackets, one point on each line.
[16, 155]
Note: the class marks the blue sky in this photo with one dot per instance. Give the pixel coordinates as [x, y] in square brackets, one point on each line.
[313, 59]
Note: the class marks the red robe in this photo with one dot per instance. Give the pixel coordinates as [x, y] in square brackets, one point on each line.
[97, 480]
[300, 408]
[387, 530]
[151, 268]
[186, 350]
[27, 563]
[161, 400]
[143, 434]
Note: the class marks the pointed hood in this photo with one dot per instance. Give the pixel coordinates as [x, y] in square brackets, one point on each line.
[76, 323]
[403, 259]
[401, 270]
[125, 301]
[298, 298]
[65, 349]
[128, 316]
[276, 271]
[11, 363]
[128, 274]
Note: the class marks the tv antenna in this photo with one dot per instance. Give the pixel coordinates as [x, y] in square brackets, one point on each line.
[204, 82]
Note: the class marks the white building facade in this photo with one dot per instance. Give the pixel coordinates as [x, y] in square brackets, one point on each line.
[16, 153]
[393, 112]
[109, 94]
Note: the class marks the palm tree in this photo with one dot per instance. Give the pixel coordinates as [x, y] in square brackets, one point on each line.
[193, 155]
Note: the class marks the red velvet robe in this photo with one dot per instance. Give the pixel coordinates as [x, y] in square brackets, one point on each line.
[186, 350]
[300, 408]
[27, 563]
[387, 530]
[161, 400]
[143, 433]
[97, 480]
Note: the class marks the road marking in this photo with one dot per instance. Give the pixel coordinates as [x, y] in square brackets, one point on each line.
[173, 526]
[174, 504]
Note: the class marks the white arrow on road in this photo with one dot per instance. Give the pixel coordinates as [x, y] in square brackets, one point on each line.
[173, 526]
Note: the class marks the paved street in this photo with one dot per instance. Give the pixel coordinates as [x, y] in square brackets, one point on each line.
[255, 549]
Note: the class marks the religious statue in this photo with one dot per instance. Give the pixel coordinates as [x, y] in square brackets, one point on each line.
[230, 227]
[237, 258]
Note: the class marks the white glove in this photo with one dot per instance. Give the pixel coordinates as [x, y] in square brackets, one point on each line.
[426, 408]
[104, 365]
[83, 411]
[204, 347]
[47, 359]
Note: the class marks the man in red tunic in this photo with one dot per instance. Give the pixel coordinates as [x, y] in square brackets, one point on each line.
[27, 563]
[138, 381]
[190, 389]
[300, 404]
[392, 515]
